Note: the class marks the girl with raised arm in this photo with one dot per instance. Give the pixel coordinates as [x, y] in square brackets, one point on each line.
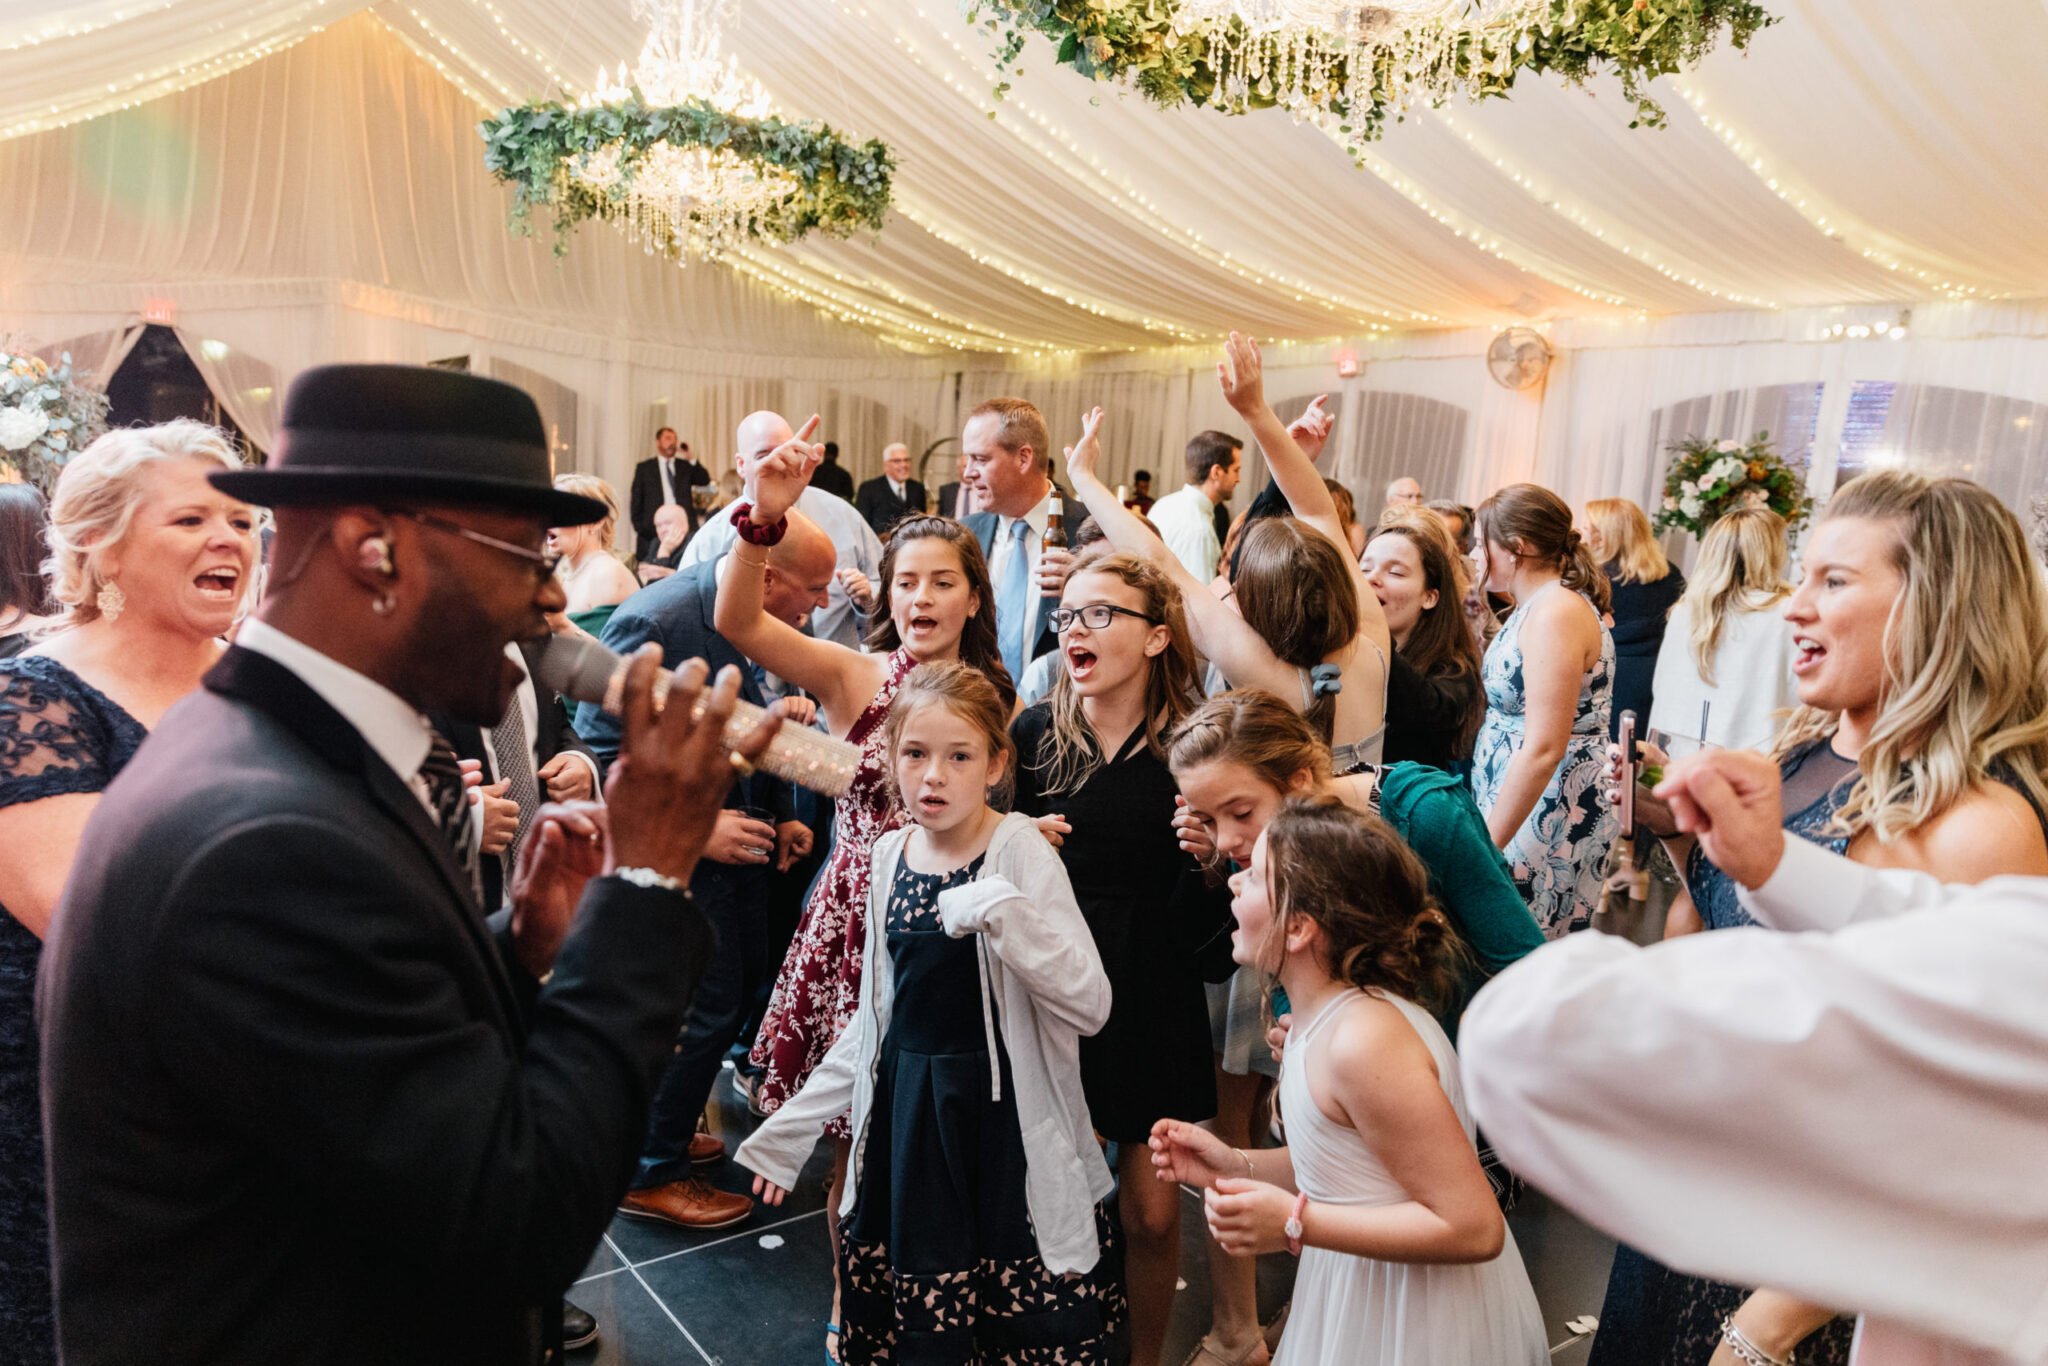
[1405, 1258]
[1310, 627]
[934, 605]
[974, 1227]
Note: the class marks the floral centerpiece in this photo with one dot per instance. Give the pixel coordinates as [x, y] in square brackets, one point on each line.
[1710, 479]
[46, 417]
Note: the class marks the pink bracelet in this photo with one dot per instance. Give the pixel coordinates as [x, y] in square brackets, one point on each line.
[1292, 1228]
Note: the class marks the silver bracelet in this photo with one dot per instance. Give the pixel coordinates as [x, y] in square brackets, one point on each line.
[647, 877]
[1746, 1351]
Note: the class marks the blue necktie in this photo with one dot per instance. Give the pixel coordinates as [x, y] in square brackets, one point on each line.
[1013, 601]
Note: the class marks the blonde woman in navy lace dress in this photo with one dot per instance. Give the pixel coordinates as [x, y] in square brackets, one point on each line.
[150, 566]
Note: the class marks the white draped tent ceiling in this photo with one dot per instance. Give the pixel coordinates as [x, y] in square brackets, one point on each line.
[301, 180]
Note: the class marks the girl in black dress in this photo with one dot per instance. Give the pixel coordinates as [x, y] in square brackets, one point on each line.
[974, 1230]
[1092, 769]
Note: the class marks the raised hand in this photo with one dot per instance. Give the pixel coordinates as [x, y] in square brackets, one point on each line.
[1189, 1155]
[1242, 375]
[1311, 431]
[1086, 454]
[781, 476]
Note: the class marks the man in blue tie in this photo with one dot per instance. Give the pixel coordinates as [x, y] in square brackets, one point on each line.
[1008, 473]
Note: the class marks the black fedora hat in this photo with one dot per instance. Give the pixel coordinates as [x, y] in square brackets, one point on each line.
[378, 433]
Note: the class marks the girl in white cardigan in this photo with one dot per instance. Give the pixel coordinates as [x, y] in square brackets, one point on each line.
[973, 1224]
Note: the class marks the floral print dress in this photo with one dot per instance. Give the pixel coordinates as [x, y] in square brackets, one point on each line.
[819, 985]
[1559, 856]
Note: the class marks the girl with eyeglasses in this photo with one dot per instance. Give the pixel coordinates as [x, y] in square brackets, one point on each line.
[1092, 770]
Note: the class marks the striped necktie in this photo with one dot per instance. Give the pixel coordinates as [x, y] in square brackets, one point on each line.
[514, 754]
[449, 806]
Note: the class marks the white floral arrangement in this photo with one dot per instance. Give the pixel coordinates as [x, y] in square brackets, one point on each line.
[1709, 479]
[46, 416]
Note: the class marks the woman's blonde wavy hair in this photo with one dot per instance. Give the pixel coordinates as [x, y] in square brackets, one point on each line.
[1741, 569]
[96, 498]
[1172, 686]
[1965, 686]
[1622, 531]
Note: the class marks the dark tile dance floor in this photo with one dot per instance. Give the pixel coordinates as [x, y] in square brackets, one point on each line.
[757, 1295]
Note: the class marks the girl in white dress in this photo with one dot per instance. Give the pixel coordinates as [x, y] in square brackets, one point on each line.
[1405, 1259]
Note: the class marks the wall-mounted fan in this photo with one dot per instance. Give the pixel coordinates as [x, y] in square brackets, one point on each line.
[1518, 358]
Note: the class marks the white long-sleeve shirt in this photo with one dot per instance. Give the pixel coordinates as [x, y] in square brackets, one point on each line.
[1857, 1115]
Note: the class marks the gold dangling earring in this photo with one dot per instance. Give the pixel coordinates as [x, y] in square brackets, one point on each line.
[111, 601]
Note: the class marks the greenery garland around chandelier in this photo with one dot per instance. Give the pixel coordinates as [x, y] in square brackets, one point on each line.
[1150, 44]
[840, 188]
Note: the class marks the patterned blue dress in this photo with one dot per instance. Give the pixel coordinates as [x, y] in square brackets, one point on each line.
[1559, 856]
[58, 735]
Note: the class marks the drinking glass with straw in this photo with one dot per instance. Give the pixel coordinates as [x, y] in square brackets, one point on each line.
[1675, 746]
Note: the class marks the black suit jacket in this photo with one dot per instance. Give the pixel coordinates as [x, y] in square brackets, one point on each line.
[984, 525]
[646, 497]
[303, 1102]
[949, 495]
[471, 741]
[834, 479]
[878, 503]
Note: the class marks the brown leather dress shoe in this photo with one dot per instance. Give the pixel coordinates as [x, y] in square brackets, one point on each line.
[688, 1204]
[706, 1150]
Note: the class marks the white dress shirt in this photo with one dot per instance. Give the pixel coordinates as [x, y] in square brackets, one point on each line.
[1856, 1115]
[1187, 523]
[1005, 546]
[897, 487]
[858, 547]
[394, 731]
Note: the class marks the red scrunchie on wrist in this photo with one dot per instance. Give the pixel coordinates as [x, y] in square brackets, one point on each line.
[754, 534]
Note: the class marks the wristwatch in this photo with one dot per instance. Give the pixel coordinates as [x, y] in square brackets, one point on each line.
[1292, 1228]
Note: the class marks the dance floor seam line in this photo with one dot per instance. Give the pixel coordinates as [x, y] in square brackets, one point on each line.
[670, 1314]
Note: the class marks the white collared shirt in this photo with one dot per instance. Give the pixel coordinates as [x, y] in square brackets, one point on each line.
[1034, 543]
[394, 731]
[897, 487]
[858, 547]
[1187, 523]
[1849, 1107]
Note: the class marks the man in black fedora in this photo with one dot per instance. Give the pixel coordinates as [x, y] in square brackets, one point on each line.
[305, 1102]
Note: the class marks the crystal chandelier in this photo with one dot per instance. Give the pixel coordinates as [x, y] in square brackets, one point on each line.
[685, 200]
[1309, 55]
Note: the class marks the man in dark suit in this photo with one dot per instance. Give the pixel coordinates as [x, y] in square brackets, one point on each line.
[832, 477]
[951, 501]
[757, 834]
[1007, 466]
[558, 767]
[892, 495]
[667, 476]
[305, 1102]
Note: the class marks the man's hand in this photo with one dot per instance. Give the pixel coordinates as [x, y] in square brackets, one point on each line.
[564, 849]
[1053, 564]
[1242, 376]
[1086, 454]
[568, 778]
[501, 817]
[859, 591]
[1311, 431]
[669, 782]
[1730, 798]
[740, 839]
[783, 474]
[793, 842]
[649, 573]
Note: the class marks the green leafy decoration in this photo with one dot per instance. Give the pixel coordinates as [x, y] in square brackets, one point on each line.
[843, 187]
[1137, 42]
[1708, 480]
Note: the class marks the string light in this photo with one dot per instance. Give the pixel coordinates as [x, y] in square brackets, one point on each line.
[143, 86]
[1602, 232]
[505, 96]
[1808, 203]
[50, 32]
[945, 331]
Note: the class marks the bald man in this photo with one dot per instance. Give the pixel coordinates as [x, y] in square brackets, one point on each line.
[892, 495]
[1404, 493]
[844, 618]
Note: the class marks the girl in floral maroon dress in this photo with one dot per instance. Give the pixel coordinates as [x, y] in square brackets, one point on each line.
[934, 603]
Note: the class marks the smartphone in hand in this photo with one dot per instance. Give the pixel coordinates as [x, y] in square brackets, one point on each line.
[1631, 772]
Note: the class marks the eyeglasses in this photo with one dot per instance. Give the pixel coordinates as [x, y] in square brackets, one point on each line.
[542, 563]
[1096, 616]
